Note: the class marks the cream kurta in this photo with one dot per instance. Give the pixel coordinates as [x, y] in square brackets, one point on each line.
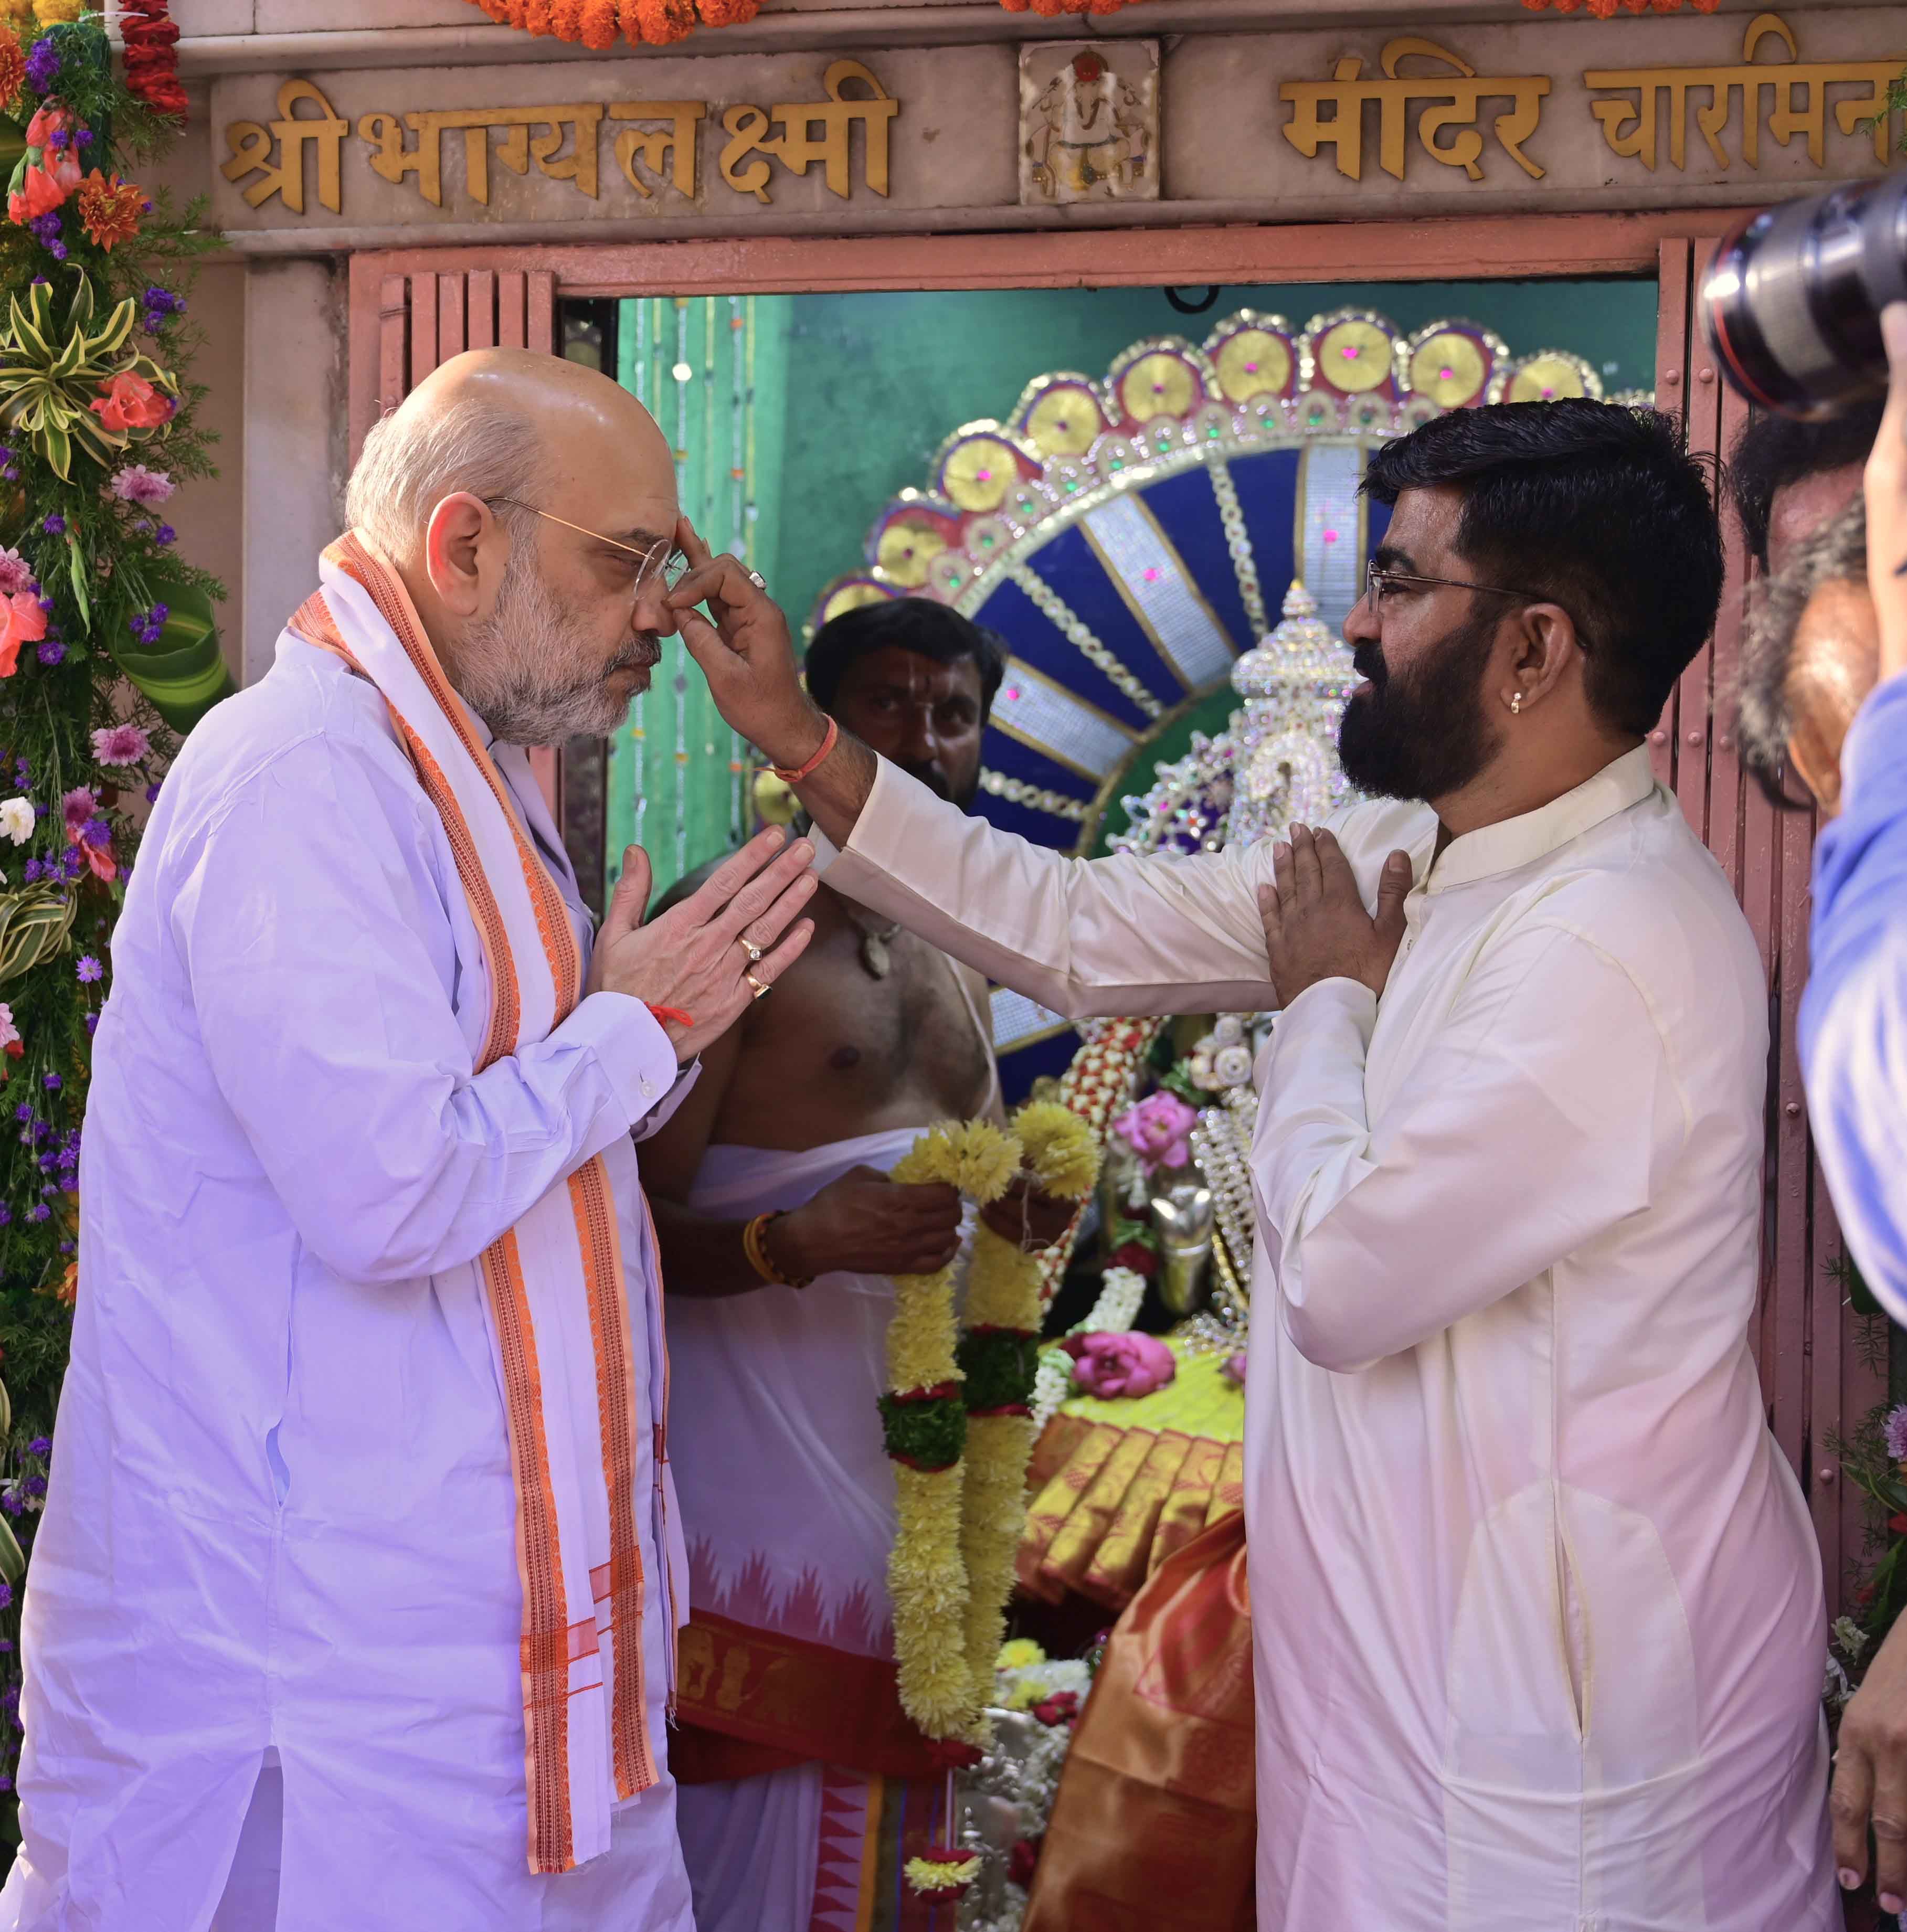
[1538, 1622]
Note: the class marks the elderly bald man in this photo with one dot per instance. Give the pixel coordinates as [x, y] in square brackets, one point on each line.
[354, 1603]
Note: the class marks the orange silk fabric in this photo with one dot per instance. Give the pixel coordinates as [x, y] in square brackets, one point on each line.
[1157, 1800]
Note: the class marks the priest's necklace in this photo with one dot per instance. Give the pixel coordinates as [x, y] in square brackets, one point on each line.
[874, 939]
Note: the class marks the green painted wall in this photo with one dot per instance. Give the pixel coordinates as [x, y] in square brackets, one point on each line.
[876, 381]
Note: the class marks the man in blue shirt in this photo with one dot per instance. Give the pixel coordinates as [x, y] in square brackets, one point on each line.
[1823, 685]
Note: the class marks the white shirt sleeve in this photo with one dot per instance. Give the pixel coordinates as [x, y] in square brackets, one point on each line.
[302, 921]
[1103, 936]
[1530, 1123]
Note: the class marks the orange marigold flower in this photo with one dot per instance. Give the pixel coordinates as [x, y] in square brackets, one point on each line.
[728, 12]
[659, 21]
[599, 29]
[566, 19]
[13, 68]
[110, 208]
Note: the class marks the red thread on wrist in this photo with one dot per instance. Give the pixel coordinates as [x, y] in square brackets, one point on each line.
[795, 777]
[664, 1014]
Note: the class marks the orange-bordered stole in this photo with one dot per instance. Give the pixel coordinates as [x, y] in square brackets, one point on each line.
[558, 1309]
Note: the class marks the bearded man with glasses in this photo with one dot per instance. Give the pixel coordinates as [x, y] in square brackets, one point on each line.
[358, 1581]
[1537, 1609]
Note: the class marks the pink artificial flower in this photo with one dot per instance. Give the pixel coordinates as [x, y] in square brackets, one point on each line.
[1112, 1365]
[120, 744]
[1232, 1369]
[21, 621]
[77, 806]
[10, 1040]
[15, 573]
[130, 402]
[136, 484]
[1155, 1129]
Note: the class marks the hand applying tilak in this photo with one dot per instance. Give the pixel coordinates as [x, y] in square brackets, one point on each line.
[1316, 927]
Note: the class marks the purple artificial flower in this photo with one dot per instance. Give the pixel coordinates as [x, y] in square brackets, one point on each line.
[89, 969]
[22, 773]
[23, 1112]
[84, 137]
[55, 526]
[9, 1500]
[46, 605]
[6, 1214]
[51, 651]
[71, 863]
[92, 1025]
[43, 65]
[60, 140]
[165, 534]
[40, 1447]
[39, 1211]
[52, 1082]
[136, 484]
[35, 1485]
[31, 871]
[6, 1646]
[97, 832]
[1895, 1430]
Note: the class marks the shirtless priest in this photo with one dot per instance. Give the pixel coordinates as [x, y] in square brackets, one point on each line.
[778, 1230]
[1537, 1609]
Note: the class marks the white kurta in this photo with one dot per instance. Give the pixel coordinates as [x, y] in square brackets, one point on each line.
[281, 1515]
[1537, 1606]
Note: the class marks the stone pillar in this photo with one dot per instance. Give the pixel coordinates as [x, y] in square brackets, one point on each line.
[294, 440]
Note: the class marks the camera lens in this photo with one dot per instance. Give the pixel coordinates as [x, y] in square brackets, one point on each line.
[1791, 307]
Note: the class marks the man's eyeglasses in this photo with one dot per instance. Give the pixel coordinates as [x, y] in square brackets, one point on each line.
[661, 557]
[1379, 583]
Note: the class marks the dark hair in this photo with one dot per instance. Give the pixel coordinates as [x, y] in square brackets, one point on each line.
[1774, 451]
[1836, 553]
[916, 624]
[1596, 507]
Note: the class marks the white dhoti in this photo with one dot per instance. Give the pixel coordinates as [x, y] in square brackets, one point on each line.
[789, 1501]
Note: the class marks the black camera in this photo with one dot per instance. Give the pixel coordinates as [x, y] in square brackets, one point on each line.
[1792, 306]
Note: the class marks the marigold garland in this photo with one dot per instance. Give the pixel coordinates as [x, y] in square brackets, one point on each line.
[944, 1874]
[593, 23]
[1000, 1355]
[961, 1514]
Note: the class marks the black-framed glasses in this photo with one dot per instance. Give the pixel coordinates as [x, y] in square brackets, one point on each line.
[1378, 582]
[662, 555]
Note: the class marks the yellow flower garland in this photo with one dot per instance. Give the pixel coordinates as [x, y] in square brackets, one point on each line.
[952, 1566]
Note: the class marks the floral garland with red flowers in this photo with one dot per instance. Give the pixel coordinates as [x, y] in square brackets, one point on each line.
[659, 23]
[108, 647]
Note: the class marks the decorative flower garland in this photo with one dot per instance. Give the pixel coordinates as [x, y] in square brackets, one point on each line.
[1604, 10]
[951, 1569]
[108, 647]
[659, 23]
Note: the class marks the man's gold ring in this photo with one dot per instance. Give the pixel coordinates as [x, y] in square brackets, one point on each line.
[759, 988]
[748, 946]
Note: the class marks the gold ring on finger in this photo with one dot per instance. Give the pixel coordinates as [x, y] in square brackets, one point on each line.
[748, 946]
[759, 988]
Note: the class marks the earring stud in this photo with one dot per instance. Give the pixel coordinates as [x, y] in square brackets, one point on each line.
[1516, 704]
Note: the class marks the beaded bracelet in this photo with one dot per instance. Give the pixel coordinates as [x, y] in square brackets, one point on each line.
[756, 1248]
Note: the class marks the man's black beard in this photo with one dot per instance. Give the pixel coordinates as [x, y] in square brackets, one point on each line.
[1423, 733]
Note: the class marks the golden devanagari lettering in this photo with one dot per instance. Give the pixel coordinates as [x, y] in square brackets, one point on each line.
[390, 158]
[797, 146]
[676, 141]
[1630, 120]
[252, 148]
[1451, 103]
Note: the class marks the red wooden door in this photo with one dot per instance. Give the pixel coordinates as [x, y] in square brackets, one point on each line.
[1813, 1375]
